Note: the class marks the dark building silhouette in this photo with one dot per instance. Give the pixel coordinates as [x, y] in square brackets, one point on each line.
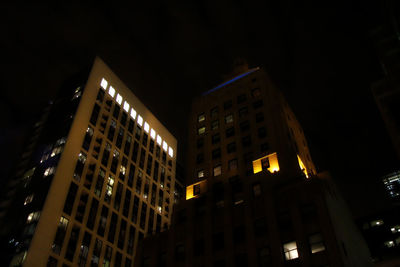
[253, 196]
[98, 174]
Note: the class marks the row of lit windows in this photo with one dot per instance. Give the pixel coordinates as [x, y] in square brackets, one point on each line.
[140, 121]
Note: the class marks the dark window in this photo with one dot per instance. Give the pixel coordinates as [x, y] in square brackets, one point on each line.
[260, 227]
[69, 201]
[218, 241]
[244, 126]
[264, 257]
[84, 249]
[150, 226]
[200, 158]
[145, 139]
[233, 164]
[256, 189]
[198, 247]
[111, 130]
[230, 132]
[139, 182]
[60, 235]
[51, 262]
[120, 136]
[237, 190]
[89, 176]
[239, 234]
[180, 252]
[95, 114]
[262, 132]
[130, 126]
[100, 95]
[124, 117]
[122, 234]
[131, 175]
[228, 104]
[153, 194]
[151, 147]
[135, 209]
[131, 240]
[92, 213]
[264, 147]
[102, 221]
[71, 247]
[135, 151]
[112, 228]
[127, 202]
[246, 141]
[241, 260]
[231, 147]
[256, 92]
[218, 195]
[215, 125]
[114, 161]
[116, 111]
[155, 172]
[118, 259]
[158, 152]
[241, 98]
[196, 189]
[149, 164]
[107, 257]
[88, 138]
[118, 196]
[200, 142]
[106, 154]
[100, 182]
[138, 132]
[258, 104]
[216, 153]
[96, 253]
[214, 112]
[80, 212]
[142, 158]
[215, 138]
[143, 213]
[259, 117]
[243, 112]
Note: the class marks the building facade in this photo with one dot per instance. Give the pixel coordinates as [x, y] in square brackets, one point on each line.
[96, 180]
[253, 196]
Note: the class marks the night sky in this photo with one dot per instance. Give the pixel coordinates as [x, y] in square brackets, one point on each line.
[320, 56]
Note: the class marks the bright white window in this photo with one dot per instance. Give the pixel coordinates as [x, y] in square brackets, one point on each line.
[146, 127]
[395, 229]
[49, 171]
[104, 83]
[119, 99]
[290, 250]
[140, 120]
[126, 106]
[159, 140]
[33, 217]
[133, 113]
[165, 146]
[170, 152]
[159, 209]
[111, 91]
[376, 223]
[28, 199]
[201, 130]
[200, 174]
[153, 133]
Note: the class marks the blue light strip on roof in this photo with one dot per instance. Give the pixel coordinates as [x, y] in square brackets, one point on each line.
[230, 81]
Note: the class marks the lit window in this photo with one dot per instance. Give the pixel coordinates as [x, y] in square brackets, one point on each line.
[376, 223]
[159, 209]
[146, 127]
[290, 250]
[200, 174]
[126, 106]
[201, 117]
[28, 199]
[302, 166]
[104, 83]
[170, 152]
[316, 243]
[201, 130]
[395, 229]
[195, 189]
[33, 217]
[165, 146]
[119, 99]
[217, 170]
[133, 113]
[111, 91]
[49, 171]
[229, 118]
[159, 140]
[269, 163]
[140, 120]
[389, 244]
[152, 133]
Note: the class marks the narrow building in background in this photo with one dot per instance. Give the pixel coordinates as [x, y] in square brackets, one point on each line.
[98, 176]
[253, 196]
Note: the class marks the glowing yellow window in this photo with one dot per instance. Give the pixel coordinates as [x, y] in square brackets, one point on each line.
[196, 189]
[302, 166]
[269, 163]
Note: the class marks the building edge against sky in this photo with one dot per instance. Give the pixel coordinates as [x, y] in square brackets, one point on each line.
[153, 176]
[253, 195]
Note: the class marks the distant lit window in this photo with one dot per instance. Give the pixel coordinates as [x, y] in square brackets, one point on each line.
[159, 140]
[119, 99]
[133, 113]
[28, 200]
[152, 133]
[316, 243]
[140, 120]
[165, 146]
[201, 117]
[146, 127]
[290, 250]
[201, 130]
[159, 208]
[170, 152]
[111, 91]
[217, 170]
[104, 84]
[395, 229]
[376, 223]
[389, 244]
[126, 106]
[229, 118]
[33, 217]
[269, 163]
[200, 174]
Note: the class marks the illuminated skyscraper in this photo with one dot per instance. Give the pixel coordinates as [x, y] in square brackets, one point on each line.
[98, 175]
[253, 197]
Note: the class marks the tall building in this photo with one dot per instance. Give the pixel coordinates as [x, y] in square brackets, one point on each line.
[253, 196]
[97, 176]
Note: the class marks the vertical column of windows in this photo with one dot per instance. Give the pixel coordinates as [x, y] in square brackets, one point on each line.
[99, 183]
[92, 214]
[118, 196]
[111, 130]
[71, 247]
[109, 189]
[80, 212]
[127, 202]
[112, 228]
[103, 221]
[60, 235]
[135, 209]
[94, 262]
[122, 234]
[84, 249]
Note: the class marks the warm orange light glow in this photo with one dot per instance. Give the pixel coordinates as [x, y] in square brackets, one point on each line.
[190, 190]
[269, 163]
[302, 166]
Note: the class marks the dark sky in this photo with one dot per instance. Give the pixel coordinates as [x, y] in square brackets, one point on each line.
[320, 56]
